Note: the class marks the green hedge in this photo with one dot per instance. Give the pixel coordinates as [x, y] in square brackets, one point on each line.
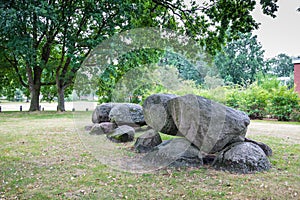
[283, 103]
[266, 99]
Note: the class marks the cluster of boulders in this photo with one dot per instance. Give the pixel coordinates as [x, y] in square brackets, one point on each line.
[205, 132]
[118, 121]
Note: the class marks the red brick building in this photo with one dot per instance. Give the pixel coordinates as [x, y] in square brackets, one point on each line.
[296, 63]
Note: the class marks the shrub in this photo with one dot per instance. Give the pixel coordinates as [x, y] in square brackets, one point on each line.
[266, 98]
[283, 102]
[295, 115]
[269, 83]
[254, 101]
[233, 98]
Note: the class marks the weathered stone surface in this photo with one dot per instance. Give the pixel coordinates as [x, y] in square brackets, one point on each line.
[177, 152]
[108, 127]
[207, 124]
[142, 128]
[156, 114]
[122, 134]
[101, 112]
[127, 114]
[268, 151]
[88, 127]
[120, 113]
[96, 130]
[242, 157]
[147, 141]
[102, 128]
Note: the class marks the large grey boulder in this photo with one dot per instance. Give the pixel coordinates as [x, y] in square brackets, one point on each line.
[147, 141]
[208, 125]
[122, 134]
[177, 152]
[127, 114]
[120, 113]
[156, 114]
[242, 157]
[268, 151]
[101, 112]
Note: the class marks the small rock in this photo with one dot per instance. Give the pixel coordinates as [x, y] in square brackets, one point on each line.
[108, 127]
[147, 141]
[177, 152]
[122, 134]
[102, 128]
[96, 130]
[88, 127]
[242, 157]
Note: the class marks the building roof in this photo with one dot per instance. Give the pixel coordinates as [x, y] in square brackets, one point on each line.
[296, 60]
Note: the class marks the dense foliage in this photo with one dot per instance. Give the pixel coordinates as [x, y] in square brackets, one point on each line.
[46, 41]
[267, 98]
[241, 60]
[129, 78]
[281, 65]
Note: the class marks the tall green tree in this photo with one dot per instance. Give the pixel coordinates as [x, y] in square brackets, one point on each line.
[208, 21]
[187, 70]
[241, 60]
[46, 41]
[281, 65]
[138, 60]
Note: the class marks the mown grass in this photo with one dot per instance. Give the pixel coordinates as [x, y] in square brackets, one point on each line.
[42, 157]
[35, 115]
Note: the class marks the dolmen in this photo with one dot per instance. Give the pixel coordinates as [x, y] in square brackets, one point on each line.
[203, 132]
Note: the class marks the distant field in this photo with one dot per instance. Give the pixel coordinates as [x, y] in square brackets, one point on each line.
[43, 157]
[15, 106]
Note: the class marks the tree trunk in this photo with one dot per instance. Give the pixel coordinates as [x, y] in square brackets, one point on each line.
[60, 98]
[35, 100]
[34, 83]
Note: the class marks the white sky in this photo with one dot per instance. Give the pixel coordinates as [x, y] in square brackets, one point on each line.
[281, 34]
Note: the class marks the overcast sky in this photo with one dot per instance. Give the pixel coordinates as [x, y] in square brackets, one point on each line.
[281, 34]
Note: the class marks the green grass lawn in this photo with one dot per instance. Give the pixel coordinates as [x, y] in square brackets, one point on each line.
[42, 157]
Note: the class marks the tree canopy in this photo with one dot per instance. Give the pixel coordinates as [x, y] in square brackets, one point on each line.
[240, 60]
[281, 65]
[46, 41]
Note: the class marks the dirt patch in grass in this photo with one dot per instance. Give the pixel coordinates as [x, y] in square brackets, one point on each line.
[287, 131]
